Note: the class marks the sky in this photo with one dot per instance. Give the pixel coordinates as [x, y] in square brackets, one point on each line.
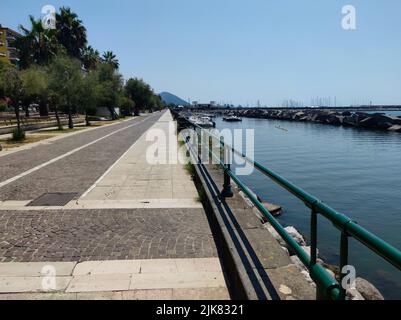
[240, 52]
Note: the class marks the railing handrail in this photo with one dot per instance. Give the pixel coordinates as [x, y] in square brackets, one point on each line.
[348, 227]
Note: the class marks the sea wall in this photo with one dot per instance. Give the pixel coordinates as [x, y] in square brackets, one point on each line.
[377, 121]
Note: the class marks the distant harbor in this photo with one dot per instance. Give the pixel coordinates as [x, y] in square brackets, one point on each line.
[385, 119]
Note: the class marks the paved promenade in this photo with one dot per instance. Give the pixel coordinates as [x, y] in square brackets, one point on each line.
[121, 229]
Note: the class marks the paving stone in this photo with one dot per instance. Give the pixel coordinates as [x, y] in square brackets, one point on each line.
[34, 269]
[269, 253]
[39, 296]
[108, 234]
[31, 284]
[98, 283]
[69, 174]
[289, 277]
[201, 294]
[99, 295]
[199, 265]
[177, 280]
[108, 267]
[158, 266]
[163, 294]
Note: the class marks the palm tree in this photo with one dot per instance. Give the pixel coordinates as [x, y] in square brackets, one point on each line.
[70, 32]
[110, 58]
[37, 45]
[90, 58]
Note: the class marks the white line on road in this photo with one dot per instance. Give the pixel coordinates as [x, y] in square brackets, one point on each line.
[6, 182]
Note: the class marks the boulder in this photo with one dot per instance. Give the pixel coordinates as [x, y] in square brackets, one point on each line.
[367, 290]
[395, 128]
[353, 294]
[350, 120]
[296, 235]
[335, 119]
[298, 263]
[307, 249]
[274, 209]
[378, 121]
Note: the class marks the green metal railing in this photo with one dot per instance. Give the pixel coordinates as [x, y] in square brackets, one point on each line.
[328, 288]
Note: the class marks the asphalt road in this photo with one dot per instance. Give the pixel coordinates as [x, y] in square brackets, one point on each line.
[77, 171]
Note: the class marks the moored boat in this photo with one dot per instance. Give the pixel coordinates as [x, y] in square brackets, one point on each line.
[232, 119]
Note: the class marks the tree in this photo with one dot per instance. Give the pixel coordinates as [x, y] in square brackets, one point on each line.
[158, 102]
[35, 87]
[110, 58]
[90, 58]
[70, 32]
[140, 92]
[86, 95]
[3, 68]
[64, 83]
[13, 89]
[108, 88]
[37, 45]
[126, 105]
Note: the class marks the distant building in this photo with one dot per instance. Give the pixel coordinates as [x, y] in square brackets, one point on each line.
[196, 104]
[8, 53]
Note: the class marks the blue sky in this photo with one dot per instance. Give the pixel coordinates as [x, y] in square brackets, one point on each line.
[244, 51]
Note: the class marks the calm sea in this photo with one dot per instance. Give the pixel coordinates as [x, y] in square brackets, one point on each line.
[355, 171]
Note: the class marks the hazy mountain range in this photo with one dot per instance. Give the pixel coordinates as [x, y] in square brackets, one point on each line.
[169, 98]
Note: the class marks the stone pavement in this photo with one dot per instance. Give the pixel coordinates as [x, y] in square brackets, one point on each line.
[130, 279]
[104, 234]
[68, 165]
[144, 184]
[140, 222]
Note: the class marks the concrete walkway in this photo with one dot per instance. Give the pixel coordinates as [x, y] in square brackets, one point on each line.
[138, 232]
[172, 279]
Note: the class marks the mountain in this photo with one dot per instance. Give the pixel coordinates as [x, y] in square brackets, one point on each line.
[171, 98]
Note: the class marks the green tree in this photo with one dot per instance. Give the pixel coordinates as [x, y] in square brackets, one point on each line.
[126, 105]
[90, 58]
[65, 76]
[108, 88]
[3, 68]
[13, 89]
[70, 32]
[140, 92]
[110, 58]
[86, 96]
[37, 45]
[34, 82]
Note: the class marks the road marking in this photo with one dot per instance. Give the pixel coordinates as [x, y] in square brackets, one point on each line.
[15, 178]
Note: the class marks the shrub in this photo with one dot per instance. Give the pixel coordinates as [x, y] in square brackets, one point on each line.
[3, 107]
[18, 135]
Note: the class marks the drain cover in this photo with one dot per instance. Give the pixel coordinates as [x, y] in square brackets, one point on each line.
[52, 200]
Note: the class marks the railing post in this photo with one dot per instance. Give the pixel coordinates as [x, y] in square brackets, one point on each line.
[313, 238]
[198, 144]
[343, 261]
[227, 192]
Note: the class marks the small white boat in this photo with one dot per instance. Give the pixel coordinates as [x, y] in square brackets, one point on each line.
[204, 122]
[232, 119]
